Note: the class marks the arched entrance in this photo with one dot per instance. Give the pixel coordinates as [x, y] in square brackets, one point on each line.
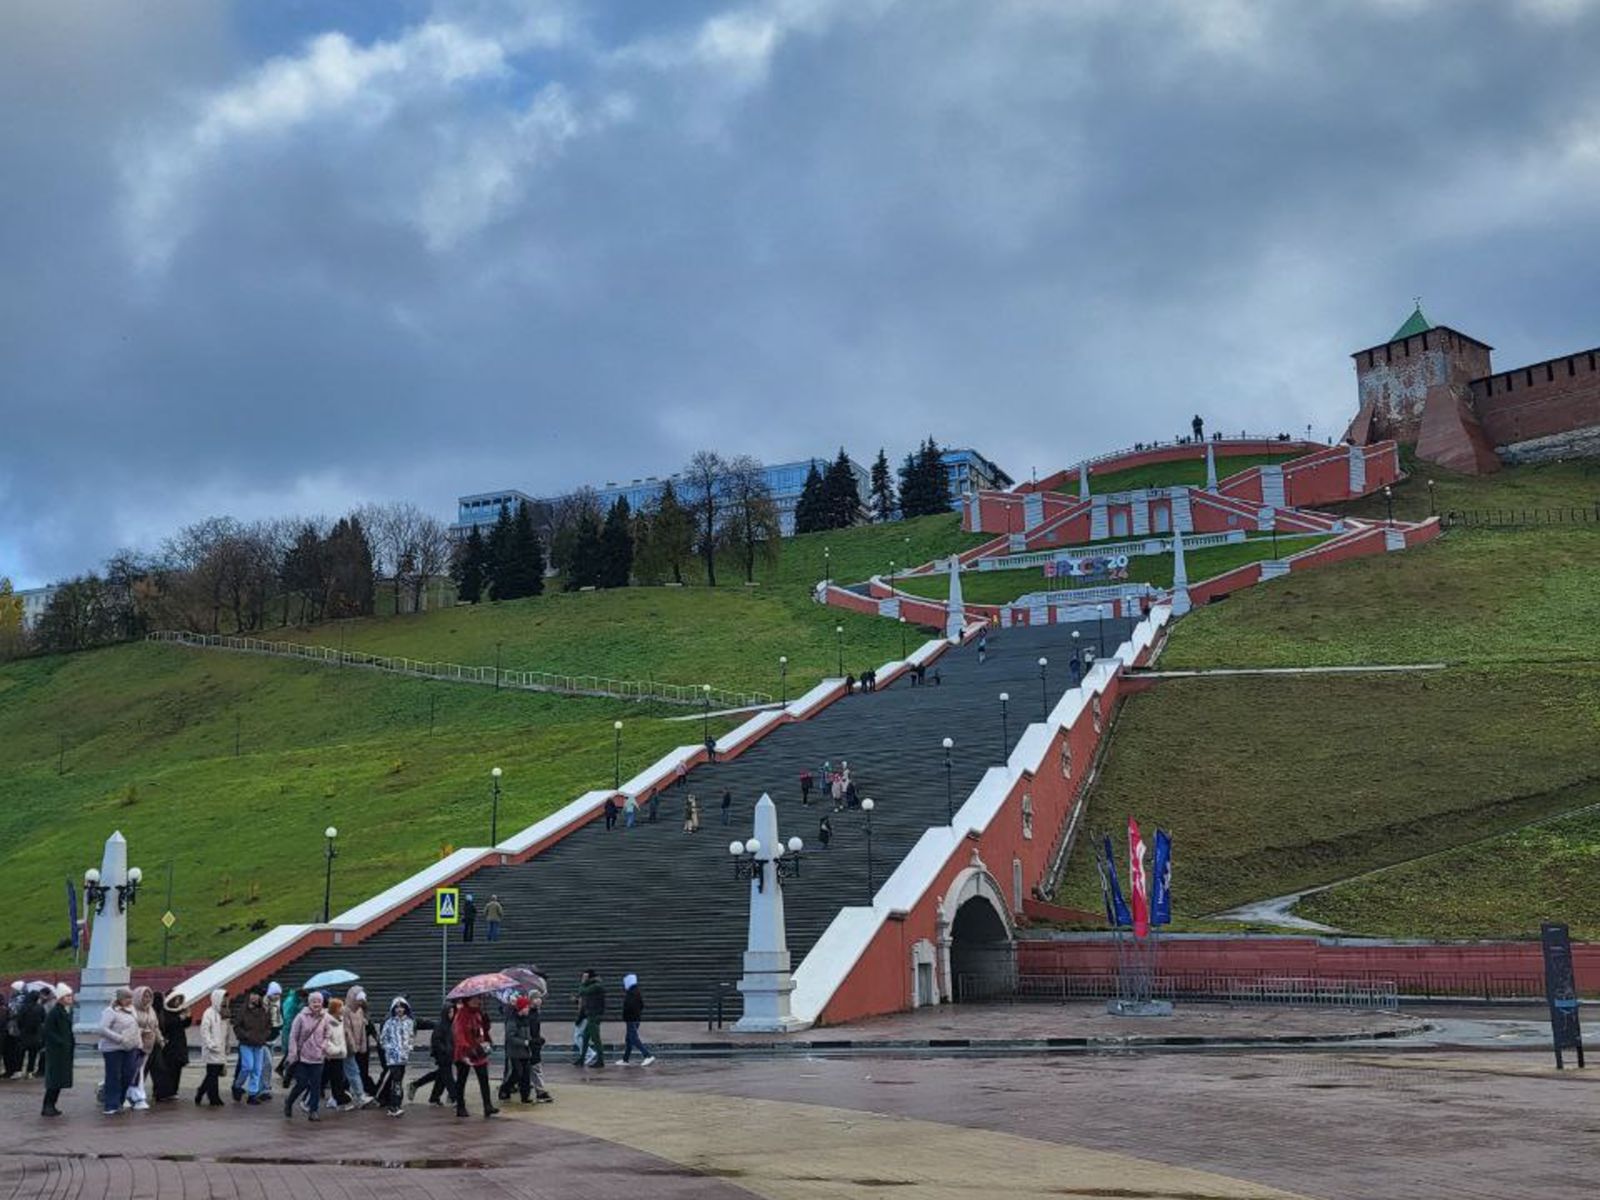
[981, 961]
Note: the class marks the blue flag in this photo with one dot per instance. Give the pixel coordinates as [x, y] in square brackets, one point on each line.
[72, 911]
[1120, 916]
[1161, 897]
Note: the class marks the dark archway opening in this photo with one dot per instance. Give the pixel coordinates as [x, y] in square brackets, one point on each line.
[982, 956]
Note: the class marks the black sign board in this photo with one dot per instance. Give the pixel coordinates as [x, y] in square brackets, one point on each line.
[1560, 989]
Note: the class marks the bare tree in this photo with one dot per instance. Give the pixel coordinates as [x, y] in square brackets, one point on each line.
[571, 516]
[429, 555]
[751, 525]
[703, 485]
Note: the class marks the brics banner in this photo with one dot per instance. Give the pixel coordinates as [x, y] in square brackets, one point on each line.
[1088, 566]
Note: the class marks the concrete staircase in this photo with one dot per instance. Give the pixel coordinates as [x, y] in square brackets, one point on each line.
[1099, 521]
[1272, 487]
[665, 904]
[1182, 514]
[1358, 471]
[1032, 510]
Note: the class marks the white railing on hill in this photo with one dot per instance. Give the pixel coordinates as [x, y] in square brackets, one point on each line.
[1276, 439]
[505, 677]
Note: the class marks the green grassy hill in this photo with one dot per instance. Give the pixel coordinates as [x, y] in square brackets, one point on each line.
[143, 738]
[1190, 471]
[1001, 587]
[1274, 785]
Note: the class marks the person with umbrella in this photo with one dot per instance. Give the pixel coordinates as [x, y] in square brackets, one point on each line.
[472, 1045]
[523, 1052]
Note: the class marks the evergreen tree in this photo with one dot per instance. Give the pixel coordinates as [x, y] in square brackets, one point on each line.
[938, 478]
[841, 493]
[520, 573]
[810, 511]
[469, 566]
[584, 554]
[883, 500]
[497, 562]
[350, 570]
[616, 546]
[666, 537]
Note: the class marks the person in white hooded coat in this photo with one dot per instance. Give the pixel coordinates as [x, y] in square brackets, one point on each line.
[215, 1035]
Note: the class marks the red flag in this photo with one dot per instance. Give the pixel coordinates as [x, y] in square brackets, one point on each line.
[1136, 881]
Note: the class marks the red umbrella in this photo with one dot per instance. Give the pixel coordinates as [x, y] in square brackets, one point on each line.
[482, 985]
[528, 979]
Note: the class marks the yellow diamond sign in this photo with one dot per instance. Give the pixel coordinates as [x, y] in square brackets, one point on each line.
[168, 919]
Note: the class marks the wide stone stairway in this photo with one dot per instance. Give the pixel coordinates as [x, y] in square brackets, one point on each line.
[665, 904]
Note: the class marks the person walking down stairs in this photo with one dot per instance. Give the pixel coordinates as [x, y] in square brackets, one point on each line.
[691, 814]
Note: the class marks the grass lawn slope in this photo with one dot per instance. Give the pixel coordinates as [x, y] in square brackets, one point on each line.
[1001, 587]
[1473, 597]
[1501, 887]
[1274, 785]
[1190, 471]
[143, 736]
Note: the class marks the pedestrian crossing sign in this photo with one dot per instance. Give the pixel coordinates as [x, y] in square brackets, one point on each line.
[447, 906]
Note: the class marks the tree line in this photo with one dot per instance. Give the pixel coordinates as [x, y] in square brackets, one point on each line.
[220, 575]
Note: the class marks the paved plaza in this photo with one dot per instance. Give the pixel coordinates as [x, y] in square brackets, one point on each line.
[1396, 1121]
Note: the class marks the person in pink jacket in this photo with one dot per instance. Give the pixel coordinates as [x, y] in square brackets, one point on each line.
[308, 1040]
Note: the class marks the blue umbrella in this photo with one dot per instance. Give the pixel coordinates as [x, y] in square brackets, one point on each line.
[332, 978]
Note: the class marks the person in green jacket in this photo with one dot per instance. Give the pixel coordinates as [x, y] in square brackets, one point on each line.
[57, 1049]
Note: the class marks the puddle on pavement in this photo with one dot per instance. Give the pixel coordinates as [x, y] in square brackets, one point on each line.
[392, 1164]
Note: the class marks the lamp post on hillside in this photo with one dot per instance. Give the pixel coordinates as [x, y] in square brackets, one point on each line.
[494, 809]
[497, 666]
[902, 639]
[616, 755]
[1100, 637]
[838, 636]
[1005, 730]
[705, 714]
[327, 880]
[1432, 510]
[827, 565]
[783, 677]
[867, 806]
[1044, 687]
[891, 574]
[949, 794]
[1075, 663]
[1388, 501]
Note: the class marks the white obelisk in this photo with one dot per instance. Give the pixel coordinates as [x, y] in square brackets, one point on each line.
[955, 616]
[107, 968]
[767, 981]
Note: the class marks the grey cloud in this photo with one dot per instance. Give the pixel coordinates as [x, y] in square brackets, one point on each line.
[1041, 229]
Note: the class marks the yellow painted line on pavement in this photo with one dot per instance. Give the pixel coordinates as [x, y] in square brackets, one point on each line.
[788, 1151]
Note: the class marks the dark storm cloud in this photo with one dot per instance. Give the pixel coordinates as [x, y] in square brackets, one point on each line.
[369, 251]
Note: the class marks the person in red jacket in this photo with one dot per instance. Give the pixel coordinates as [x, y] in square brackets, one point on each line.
[472, 1045]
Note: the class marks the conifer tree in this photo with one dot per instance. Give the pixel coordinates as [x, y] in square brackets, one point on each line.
[937, 480]
[616, 546]
[841, 493]
[468, 570]
[497, 565]
[666, 538]
[584, 557]
[521, 573]
[810, 510]
[883, 499]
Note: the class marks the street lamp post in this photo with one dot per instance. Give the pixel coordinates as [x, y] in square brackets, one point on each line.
[1076, 663]
[1044, 685]
[867, 806]
[494, 811]
[327, 880]
[838, 636]
[616, 755]
[827, 565]
[902, 639]
[705, 713]
[1100, 637]
[949, 794]
[1005, 731]
[783, 676]
[1388, 500]
[497, 666]
[891, 574]
[1433, 511]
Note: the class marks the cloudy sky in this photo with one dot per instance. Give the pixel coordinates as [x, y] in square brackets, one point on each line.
[281, 257]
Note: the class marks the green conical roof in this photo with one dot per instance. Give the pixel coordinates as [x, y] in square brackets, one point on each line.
[1416, 323]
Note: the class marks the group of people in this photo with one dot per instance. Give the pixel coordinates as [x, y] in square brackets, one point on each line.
[494, 913]
[327, 1046]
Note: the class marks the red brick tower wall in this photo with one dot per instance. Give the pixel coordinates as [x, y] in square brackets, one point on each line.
[1397, 380]
[1555, 405]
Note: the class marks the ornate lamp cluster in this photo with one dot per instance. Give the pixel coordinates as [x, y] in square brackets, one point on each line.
[748, 862]
[95, 892]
